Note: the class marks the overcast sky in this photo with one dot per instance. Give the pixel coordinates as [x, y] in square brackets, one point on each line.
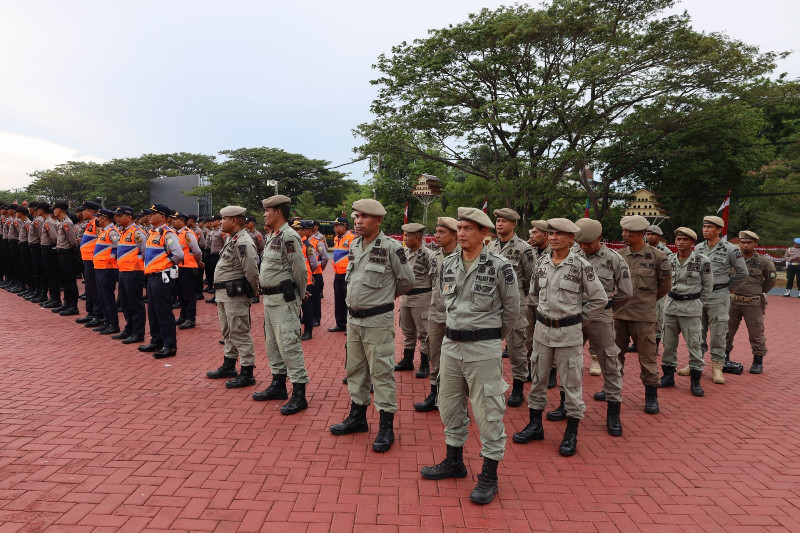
[95, 80]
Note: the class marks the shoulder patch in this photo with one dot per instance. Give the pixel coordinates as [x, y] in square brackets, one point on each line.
[772, 274]
[707, 268]
[737, 253]
[290, 247]
[242, 249]
[508, 274]
[401, 254]
[589, 272]
[529, 254]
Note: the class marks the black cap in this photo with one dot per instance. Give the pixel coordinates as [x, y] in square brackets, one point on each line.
[161, 208]
[250, 219]
[22, 209]
[33, 205]
[124, 210]
[146, 211]
[191, 217]
[94, 206]
[73, 217]
[341, 220]
[108, 213]
[181, 216]
[216, 217]
[61, 204]
[44, 206]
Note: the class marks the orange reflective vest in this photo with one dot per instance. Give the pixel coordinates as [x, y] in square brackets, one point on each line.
[129, 259]
[156, 258]
[315, 243]
[310, 280]
[189, 260]
[104, 254]
[88, 240]
[341, 251]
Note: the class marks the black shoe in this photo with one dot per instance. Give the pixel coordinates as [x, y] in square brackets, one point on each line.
[560, 412]
[179, 321]
[297, 402]
[534, 429]
[505, 354]
[551, 381]
[94, 322]
[612, 419]
[109, 330]
[52, 304]
[385, 436]
[58, 309]
[150, 347]
[651, 399]
[429, 403]
[600, 396]
[337, 328]
[133, 339]
[165, 352]
[82, 296]
[452, 466]
[570, 441]
[631, 348]
[316, 323]
[515, 400]
[176, 305]
[227, 370]
[100, 327]
[486, 488]
[697, 390]
[121, 335]
[84, 319]
[211, 300]
[306, 336]
[668, 379]
[757, 366]
[406, 363]
[344, 380]
[244, 379]
[424, 366]
[187, 324]
[356, 421]
[70, 311]
[221, 341]
[256, 299]
[198, 297]
[275, 391]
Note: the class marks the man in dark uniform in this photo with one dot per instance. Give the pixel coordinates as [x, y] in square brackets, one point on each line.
[130, 261]
[66, 244]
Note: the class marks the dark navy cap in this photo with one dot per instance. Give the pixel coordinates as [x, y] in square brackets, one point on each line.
[22, 209]
[216, 217]
[124, 210]
[161, 208]
[108, 213]
[44, 206]
[61, 204]
[94, 206]
[191, 217]
[341, 220]
[181, 216]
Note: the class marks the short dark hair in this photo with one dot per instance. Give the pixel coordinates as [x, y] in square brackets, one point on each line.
[286, 210]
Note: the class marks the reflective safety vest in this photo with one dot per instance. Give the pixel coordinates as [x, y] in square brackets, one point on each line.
[315, 243]
[310, 280]
[88, 240]
[129, 259]
[188, 257]
[104, 254]
[341, 250]
[156, 258]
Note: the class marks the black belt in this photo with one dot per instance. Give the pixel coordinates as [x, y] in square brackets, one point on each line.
[466, 335]
[365, 313]
[682, 297]
[64, 250]
[420, 290]
[719, 286]
[273, 290]
[558, 322]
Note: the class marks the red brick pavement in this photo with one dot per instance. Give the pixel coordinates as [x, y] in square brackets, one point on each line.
[95, 436]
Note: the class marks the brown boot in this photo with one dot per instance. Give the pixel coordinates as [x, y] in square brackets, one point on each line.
[716, 373]
[594, 368]
[684, 371]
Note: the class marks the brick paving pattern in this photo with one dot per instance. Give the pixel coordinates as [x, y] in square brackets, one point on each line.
[95, 436]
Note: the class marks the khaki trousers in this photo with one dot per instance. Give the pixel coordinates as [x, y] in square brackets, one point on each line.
[370, 361]
[517, 355]
[643, 335]
[690, 327]
[414, 325]
[600, 334]
[282, 334]
[435, 338]
[569, 362]
[715, 327]
[234, 321]
[753, 317]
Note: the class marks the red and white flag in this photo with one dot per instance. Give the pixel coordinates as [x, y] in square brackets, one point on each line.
[725, 208]
[486, 205]
[343, 215]
[405, 214]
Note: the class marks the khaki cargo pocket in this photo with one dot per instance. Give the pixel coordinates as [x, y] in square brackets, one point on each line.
[494, 401]
[575, 372]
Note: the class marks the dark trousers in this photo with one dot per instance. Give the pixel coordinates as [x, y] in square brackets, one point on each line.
[210, 266]
[319, 282]
[25, 270]
[13, 255]
[50, 272]
[36, 266]
[198, 280]
[307, 309]
[792, 272]
[131, 296]
[106, 279]
[186, 288]
[66, 260]
[339, 305]
[316, 297]
[159, 311]
[93, 305]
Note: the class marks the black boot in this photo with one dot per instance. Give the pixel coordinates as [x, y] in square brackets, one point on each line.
[757, 366]
[486, 488]
[244, 379]
[697, 390]
[407, 362]
[385, 436]
[600, 396]
[515, 400]
[424, 366]
[551, 382]
[612, 419]
[570, 441]
[651, 399]
[356, 421]
[297, 402]
[429, 403]
[227, 370]
[560, 413]
[658, 341]
[534, 429]
[275, 391]
[452, 466]
[668, 379]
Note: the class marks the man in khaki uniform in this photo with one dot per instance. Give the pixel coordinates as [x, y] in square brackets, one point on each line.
[284, 279]
[636, 318]
[749, 300]
[415, 304]
[655, 238]
[692, 282]
[235, 283]
[541, 248]
[378, 271]
[521, 256]
[724, 257]
[446, 239]
[481, 299]
[566, 293]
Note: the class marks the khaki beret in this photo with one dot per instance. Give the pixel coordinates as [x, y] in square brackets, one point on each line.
[541, 225]
[368, 206]
[717, 221]
[591, 230]
[275, 201]
[506, 213]
[447, 222]
[656, 230]
[564, 225]
[744, 234]
[634, 223]
[413, 227]
[686, 232]
[232, 211]
[473, 214]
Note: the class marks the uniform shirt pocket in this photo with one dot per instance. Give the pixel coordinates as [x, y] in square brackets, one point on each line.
[482, 297]
[644, 279]
[570, 292]
[373, 275]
